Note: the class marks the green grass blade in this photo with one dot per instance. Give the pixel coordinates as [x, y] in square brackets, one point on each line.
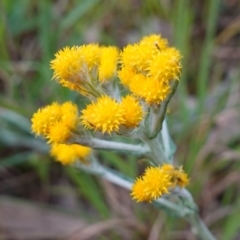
[183, 23]
[89, 189]
[77, 12]
[205, 62]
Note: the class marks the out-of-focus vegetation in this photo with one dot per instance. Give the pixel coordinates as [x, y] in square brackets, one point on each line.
[204, 118]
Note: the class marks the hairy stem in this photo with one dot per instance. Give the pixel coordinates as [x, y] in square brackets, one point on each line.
[199, 228]
[137, 149]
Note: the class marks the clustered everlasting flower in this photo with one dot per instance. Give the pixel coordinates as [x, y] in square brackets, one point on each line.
[157, 181]
[146, 70]
[149, 67]
[56, 123]
[82, 68]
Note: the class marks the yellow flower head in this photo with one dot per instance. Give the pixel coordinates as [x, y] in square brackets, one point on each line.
[179, 177]
[139, 55]
[157, 181]
[138, 191]
[148, 66]
[108, 63]
[67, 154]
[168, 168]
[125, 75]
[136, 56]
[59, 133]
[182, 179]
[69, 114]
[90, 54]
[132, 111]
[154, 43]
[67, 64]
[72, 66]
[166, 65]
[149, 89]
[55, 122]
[153, 184]
[105, 115]
[45, 118]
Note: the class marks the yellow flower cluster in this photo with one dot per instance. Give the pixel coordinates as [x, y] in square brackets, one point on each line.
[157, 181]
[81, 68]
[107, 115]
[149, 67]
[55, 122]
[67, 154]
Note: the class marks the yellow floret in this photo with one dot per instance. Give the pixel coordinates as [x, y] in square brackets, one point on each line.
[154, 43]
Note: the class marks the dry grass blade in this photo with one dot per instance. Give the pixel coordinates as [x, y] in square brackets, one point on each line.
[156, 228]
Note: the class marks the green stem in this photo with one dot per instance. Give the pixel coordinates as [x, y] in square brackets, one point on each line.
[167, 143]
[138, 149]
[199, 228]
[161, 146]
[157, 153]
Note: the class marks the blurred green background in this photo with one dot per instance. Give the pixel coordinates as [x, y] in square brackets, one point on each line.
[41, 199]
